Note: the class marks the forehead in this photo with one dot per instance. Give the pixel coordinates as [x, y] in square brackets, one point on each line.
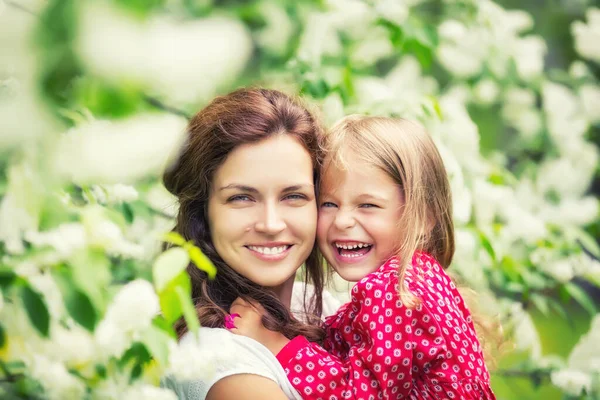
[356, 177]
[280, 158]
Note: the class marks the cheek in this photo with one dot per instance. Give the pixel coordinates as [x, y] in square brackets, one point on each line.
[323, 223]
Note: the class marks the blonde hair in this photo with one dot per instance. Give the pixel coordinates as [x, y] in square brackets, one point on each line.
[404, 151]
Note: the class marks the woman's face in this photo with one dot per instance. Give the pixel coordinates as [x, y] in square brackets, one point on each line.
[262, 210]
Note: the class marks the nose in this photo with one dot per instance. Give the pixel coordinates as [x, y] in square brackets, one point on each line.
[344, 220]
[271, 222]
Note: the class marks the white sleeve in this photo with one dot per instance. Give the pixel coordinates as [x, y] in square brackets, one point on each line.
[242, 356]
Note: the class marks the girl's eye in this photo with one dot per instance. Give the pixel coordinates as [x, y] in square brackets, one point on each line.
[239, 197]
[328, 204]
[368, 205]
[295, 196]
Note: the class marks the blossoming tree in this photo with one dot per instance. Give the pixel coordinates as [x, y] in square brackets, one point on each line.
[94, 97]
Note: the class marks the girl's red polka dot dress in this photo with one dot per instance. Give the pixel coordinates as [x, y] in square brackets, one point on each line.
[377, 348]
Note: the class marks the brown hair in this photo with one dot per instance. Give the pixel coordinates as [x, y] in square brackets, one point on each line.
[406, 152]
[241, 117]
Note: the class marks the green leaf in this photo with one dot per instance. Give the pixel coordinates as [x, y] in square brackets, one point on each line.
[587, 241]
[581, 297]
[487, 245]
[7, 276]
[135, 357]
[81, 309]
[2, 337]
[169, 265]
[169, 299]
[161, 323]
[36, 310]
[157, 342]
[202, 262]
[541, 303]
[78, 304]
[189, 311]
[127, 212]
[90, 272]
[557, 307]
[174, 238]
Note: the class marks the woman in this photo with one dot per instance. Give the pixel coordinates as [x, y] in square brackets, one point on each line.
[245, 181]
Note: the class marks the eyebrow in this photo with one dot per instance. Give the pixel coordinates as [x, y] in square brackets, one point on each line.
[371, 196]
[250, 189]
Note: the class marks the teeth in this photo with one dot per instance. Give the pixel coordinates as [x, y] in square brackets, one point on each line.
[268, 250]
[351, 255]
[351, 246]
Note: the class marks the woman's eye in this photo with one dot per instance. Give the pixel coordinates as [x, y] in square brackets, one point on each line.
[295, 196]
[239, 197]
[328, 204]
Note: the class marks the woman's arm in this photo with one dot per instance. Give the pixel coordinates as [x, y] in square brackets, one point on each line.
[245, 387]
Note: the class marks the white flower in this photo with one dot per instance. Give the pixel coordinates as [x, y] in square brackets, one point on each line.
[452, 30]
[529, 54]
[461, 61]
[526, 335]
[354, 17]
[160, 199]
[578, 212]
[486, 91]
[65, 239]
[585, 356]
[73, 346]
[392, 10]
[567, 177]
[110, 339]
[573, 382]
[134, 306]
[182, 60]
[561, 270]
[131, 311]
[123, 151]
[193, 358]
[114, 194]
[275, 36]
[57, 382]
[318, 39]
[105, 234]
[372, 48]
[332, 108]
[587, 37]
[579, 70]
[566, 121]
[590, 100]
[148, 392]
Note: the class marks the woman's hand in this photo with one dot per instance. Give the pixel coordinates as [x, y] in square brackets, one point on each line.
[249, 323]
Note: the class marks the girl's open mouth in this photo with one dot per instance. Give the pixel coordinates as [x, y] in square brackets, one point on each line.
[349, 250]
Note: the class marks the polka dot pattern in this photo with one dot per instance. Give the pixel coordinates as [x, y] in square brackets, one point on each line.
[378, 348]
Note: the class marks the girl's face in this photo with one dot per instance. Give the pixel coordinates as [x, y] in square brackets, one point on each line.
[262, 210]
[359, 215]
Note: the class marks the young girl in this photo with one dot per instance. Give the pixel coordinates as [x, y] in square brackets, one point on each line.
[385, 221]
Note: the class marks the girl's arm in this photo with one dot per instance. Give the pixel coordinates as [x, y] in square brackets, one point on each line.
[245, 387]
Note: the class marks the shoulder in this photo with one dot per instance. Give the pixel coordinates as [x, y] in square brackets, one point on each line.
[427, 279]
[377, 284]
[227, 355]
